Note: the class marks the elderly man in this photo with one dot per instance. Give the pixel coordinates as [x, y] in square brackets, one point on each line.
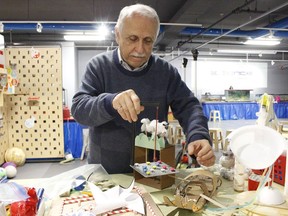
[116, 85]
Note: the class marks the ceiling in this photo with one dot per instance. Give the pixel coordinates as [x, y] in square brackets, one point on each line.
[186, 25]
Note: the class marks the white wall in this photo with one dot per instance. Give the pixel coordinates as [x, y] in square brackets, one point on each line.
[83, 57]
[217, 76]
[69, 72]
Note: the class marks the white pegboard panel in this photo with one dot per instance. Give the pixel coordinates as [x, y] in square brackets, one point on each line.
[37, 98]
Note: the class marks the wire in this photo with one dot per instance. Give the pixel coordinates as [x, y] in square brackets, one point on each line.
[238, 27]
[209, 27]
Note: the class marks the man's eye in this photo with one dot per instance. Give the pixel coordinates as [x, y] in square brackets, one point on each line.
[133, 38]
[148, 41]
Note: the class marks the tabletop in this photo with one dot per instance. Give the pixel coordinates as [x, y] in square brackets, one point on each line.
[225, 198]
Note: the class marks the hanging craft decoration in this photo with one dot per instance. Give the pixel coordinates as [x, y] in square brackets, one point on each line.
[35, 53]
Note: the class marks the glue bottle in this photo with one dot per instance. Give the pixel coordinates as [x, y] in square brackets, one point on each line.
[239, 177]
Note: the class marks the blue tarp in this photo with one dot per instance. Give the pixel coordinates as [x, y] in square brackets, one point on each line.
[242, 110]
[73, 138]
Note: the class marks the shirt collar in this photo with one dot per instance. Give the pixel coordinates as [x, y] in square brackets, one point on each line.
[126, 66]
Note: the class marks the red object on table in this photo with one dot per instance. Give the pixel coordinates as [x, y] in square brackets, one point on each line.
[253, 184]
[185, 159]
[279, 170]
[278, 176]
[26, 207]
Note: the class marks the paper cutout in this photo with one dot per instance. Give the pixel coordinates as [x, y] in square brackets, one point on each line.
[115, 198]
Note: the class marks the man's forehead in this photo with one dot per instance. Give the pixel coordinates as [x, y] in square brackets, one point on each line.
[139, 32]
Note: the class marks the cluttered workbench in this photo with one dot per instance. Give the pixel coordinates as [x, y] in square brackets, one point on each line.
[156, 188]
[224, 198]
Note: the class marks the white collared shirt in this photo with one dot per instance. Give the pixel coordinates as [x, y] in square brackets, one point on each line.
[126, 66]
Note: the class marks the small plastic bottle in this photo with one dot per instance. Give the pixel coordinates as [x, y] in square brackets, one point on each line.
[239, 177]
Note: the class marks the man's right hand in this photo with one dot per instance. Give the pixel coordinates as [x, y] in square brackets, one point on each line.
[127, 104]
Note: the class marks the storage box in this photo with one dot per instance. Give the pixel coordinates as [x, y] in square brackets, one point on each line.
[279, 170]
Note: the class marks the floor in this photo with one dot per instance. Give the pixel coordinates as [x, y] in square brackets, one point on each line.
[46, 169]
[42, 170]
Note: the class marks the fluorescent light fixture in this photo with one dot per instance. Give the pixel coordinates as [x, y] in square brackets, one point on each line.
[242, 51]
[103, 30]
[263, 41]
[96, 35]
[84, 37]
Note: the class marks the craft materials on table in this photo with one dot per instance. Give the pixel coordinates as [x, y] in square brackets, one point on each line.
[188, 191]
[154, 169]
[86, 203]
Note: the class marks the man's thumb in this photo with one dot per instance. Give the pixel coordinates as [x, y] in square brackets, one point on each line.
[190, 149]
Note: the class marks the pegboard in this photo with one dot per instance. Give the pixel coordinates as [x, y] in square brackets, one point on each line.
[34, 111]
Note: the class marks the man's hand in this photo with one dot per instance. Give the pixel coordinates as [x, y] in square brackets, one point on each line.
[127, 104]
[202, 151]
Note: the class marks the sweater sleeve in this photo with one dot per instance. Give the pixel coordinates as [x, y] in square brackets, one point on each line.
[91, 105]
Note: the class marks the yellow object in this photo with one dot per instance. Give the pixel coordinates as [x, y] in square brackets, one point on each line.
[170, 115]
[87, 193]
[15, 155]
[266, 114]
[264, 99]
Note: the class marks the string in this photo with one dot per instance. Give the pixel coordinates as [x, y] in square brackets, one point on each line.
[155, 138]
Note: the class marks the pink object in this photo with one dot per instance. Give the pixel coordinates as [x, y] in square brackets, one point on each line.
[172, 169]
[9, 164]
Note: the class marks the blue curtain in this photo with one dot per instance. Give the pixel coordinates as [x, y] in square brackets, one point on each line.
[73, 138]
[245, 110]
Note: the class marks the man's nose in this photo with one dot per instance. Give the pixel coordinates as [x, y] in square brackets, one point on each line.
[140, 46]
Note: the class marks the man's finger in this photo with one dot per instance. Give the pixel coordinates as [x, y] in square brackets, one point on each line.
[193, 149]
[136, 103]
[207, 162]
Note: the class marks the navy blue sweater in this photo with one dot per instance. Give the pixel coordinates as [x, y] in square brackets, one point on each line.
[110, 137]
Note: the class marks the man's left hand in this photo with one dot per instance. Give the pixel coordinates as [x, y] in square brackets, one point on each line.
[203, 152]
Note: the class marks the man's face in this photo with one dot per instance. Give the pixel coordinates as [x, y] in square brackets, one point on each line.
[136, 39]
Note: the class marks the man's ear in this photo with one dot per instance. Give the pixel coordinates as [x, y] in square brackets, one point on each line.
[117, 34]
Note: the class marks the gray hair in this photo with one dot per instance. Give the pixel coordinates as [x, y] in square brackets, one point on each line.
[141, 9]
